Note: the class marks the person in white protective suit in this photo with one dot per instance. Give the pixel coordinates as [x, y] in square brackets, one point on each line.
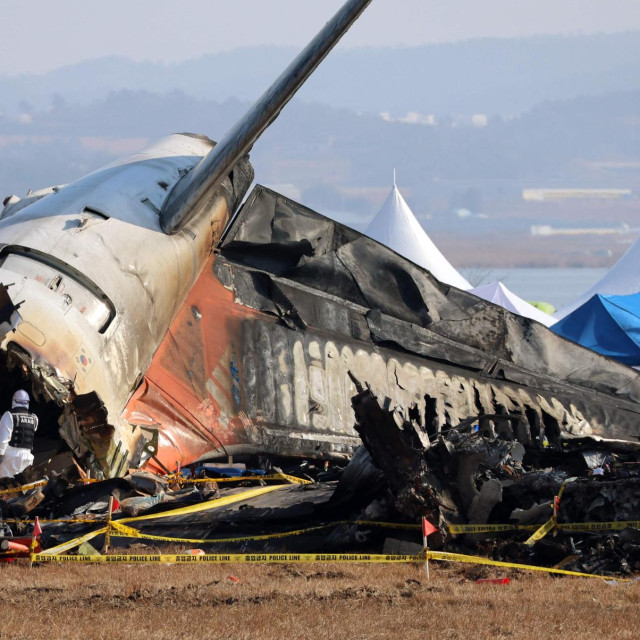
[17, 432]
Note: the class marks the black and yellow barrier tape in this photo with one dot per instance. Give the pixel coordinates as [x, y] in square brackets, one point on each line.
[542, 531]
[179, 480]
[201, 506]
[118, 529]
[233, 558]
[455, 529]
[262, 558]
[458, 529]
[193, 508]
[115, 528]
[206, 506]
[71, 544]
[85, 520]
[42, 483]
[598, 526]
[552, 523]
[381, 523]
[198, 507]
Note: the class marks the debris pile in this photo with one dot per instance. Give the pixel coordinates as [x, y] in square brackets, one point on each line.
[492, 486]
[224, 507]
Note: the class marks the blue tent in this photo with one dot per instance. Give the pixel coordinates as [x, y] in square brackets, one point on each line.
[607, 324]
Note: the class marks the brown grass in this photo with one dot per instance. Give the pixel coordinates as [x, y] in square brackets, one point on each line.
[84, 602]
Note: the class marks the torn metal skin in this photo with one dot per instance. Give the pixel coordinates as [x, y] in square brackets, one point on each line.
[259, 356]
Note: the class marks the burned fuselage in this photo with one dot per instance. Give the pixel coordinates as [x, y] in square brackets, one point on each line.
[260, 358]
[257, 354]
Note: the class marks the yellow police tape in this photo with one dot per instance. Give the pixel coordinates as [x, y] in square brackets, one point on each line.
[71, 544]
[115, 528]
[273, 476]
[542, 531]
[55, 521]
[552, 523]
[563, 486]
[279, 476]
[194, 508]
[118, 529]
[205, 506]
[220, 558]
[459, 557]
[598, 526]
[25, 487]
[458, 529]
[238, 558]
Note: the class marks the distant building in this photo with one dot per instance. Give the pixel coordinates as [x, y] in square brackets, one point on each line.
[548, 230]
[412, 117]
[550, 195]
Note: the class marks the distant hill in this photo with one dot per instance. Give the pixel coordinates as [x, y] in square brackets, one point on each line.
[319, 148]
[490, 76]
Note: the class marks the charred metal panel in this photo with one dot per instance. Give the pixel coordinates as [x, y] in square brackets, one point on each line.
[311, 367]
[499, 359]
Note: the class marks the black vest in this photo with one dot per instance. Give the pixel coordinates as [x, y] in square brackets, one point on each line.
[24, 429]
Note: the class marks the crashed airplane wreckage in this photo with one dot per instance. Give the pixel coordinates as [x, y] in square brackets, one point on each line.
[258, 358]
[145, 348]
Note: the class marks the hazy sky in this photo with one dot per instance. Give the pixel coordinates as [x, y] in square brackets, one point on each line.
[39, 35]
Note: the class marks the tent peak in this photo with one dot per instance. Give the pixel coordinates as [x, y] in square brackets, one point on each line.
[396, 226]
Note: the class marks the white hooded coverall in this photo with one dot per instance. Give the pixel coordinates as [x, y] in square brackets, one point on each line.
[15, 459]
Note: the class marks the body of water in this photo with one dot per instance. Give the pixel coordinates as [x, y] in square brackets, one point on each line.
[557, 286]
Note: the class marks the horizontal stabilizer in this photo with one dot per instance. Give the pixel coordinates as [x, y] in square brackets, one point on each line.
[193, 192]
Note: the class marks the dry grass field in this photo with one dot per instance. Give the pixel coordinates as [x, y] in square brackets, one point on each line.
[86, 602]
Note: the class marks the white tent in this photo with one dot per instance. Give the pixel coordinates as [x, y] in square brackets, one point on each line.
[622, 279]
[497, 293]
[396, 227]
